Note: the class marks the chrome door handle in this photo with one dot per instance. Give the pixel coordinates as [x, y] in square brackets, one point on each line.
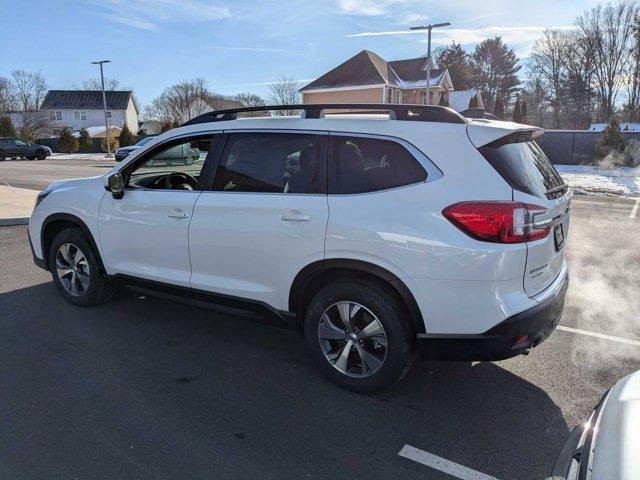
[294, 217]
[178, 213]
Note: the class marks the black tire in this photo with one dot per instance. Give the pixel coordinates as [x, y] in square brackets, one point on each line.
[31, 157]
[98, 289]
[378, 300]
[2, 155]
[41, 154]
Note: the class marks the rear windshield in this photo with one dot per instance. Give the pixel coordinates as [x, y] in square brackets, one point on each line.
[525, 167]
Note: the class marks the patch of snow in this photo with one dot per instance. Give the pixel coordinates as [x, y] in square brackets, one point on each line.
[589, 180]
[77, 156]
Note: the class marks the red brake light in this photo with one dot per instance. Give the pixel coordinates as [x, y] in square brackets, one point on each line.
[498, 222]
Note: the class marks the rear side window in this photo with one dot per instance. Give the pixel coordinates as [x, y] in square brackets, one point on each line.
[273, 163]
[361, 165]
[526, 168]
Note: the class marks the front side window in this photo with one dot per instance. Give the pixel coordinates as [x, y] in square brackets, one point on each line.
[177, 166]
[361, 165]
[272, 163]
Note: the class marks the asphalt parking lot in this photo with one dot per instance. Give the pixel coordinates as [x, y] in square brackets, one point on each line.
[145, 388]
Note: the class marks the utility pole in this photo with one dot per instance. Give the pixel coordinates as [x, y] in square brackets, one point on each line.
[429, 28]
[104, 105]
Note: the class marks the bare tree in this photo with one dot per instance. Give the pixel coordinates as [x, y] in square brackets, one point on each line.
[29, 89]
[7, 98]
[182, 101]
[632, 75]
[96, 84]
[250, 100]
[608, 32]
[285, 92]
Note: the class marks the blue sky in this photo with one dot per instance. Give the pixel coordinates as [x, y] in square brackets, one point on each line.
[246, 44]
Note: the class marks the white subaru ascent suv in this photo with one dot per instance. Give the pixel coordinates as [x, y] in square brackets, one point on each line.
[376, 234]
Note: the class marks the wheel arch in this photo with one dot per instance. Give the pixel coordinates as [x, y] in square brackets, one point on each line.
[312, 277]
[57, 222]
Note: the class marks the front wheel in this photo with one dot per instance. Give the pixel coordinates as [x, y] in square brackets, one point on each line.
[76, 271]
[356, 335]
[41, 154]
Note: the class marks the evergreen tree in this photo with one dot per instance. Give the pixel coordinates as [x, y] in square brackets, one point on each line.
[495, 68]
[167, 125]
[27, 134]
[126, 137]
[113, 141]
[498, 109]
[67, 143]
[6, 127]
[85, 142]
[176, 123]
[457, 61]
[612, 140]
[517, 111]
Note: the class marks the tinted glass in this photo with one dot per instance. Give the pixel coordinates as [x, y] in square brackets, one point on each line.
[177, 166]
[360, 165]
[525, 167]
[272, 162]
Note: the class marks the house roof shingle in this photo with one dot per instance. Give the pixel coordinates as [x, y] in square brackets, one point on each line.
[367, 68]
[86, 99]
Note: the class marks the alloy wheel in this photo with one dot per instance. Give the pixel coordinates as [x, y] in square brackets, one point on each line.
[352, 339]
[73, 269]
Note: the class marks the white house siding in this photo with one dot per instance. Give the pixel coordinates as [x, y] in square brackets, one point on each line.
[96, 118]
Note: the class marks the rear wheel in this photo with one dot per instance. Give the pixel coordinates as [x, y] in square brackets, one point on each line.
[2, 155]
[355, 334]
[76, 270]
[41, 154]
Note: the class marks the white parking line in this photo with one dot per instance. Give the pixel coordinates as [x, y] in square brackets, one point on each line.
[628, 341]
[634, 210]
[442, 464]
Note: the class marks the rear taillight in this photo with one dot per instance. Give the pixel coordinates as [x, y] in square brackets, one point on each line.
[498, 222]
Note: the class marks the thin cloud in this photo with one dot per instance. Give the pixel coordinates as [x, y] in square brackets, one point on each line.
[366, 7]
[253, 49]
[149, 14]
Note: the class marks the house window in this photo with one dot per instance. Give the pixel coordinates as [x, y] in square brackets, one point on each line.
[58, 115]
[56, 131]
[398, 96]
[76, 116]
[83, 115]
[423, 98]
[108, 114]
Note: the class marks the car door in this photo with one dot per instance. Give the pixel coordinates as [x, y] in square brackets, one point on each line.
[144, 234]
[264, 219]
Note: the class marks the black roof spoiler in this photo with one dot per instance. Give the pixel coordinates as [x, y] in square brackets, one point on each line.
[420, 113]
[479, 113]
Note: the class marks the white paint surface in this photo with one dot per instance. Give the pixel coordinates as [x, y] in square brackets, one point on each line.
[442, 464]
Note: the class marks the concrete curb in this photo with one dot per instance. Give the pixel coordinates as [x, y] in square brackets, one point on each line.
[8, 222]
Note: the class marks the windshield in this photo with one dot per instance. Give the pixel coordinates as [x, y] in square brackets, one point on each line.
[526, 168]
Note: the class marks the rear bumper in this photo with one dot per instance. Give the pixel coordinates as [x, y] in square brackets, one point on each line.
[498, 343]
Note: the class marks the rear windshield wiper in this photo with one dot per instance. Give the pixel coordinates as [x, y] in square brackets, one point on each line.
[560, 188]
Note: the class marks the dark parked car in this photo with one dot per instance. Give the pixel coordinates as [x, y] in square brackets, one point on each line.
[122, 152]
[13, 147]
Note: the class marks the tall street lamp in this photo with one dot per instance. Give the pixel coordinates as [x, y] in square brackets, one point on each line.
[429, 28]
[104, 105]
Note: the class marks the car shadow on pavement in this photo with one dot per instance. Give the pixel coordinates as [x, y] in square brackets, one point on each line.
[145, 387]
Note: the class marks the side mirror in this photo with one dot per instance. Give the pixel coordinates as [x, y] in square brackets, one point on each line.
[115, 184]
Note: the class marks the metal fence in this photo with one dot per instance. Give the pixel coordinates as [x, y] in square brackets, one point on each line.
[575, 147]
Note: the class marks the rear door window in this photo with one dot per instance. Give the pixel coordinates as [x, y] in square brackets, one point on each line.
[363, 164]
[526, 168]
[273, 163]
